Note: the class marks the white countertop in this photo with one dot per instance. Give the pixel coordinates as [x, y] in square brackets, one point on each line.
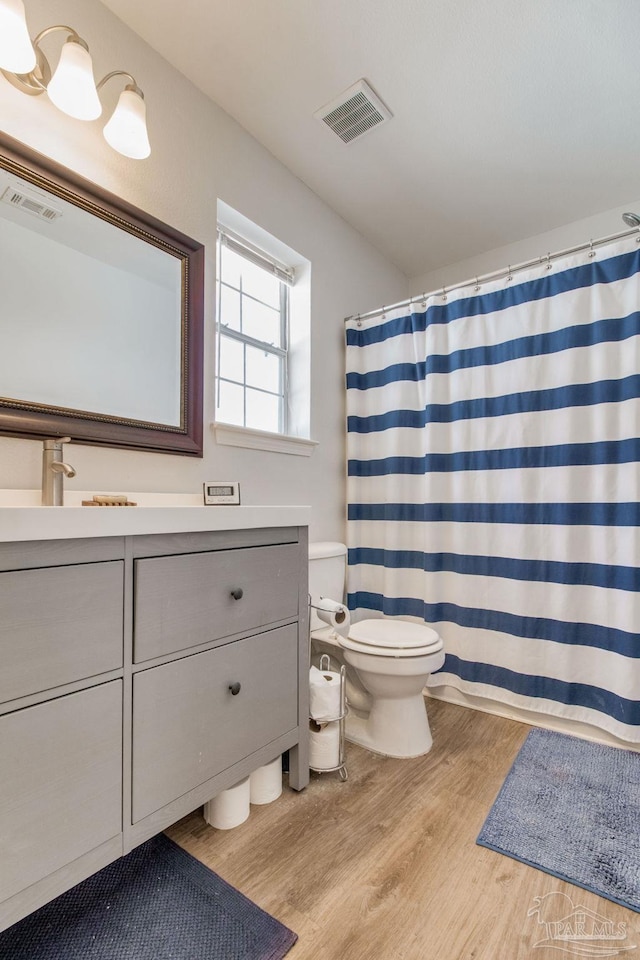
[22, 519]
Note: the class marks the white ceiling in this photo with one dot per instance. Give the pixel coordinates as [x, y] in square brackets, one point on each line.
[511, 117]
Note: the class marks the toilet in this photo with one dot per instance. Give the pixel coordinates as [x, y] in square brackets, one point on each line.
[387, 664]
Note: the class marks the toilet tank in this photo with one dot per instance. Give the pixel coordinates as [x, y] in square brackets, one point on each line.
[327, 572]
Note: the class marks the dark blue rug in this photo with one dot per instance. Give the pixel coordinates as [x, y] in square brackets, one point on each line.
[157, 903]
[572, 809]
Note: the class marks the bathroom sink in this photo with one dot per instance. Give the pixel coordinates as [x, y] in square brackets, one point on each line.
[23, 518]
[20, 498]
[74, 498]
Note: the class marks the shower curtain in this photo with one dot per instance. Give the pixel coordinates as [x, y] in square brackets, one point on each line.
[493, 476]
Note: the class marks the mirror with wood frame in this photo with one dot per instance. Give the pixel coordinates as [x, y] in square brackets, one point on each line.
[101, 314]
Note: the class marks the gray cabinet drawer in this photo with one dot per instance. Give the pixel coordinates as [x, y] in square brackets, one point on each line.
[188, 726]
[185, 600]
[58, 625]
[61, 794]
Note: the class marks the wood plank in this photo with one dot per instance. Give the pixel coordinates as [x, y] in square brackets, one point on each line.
[385, 866]
[299, 755]
[59, 625]
[187, 724]
[50, 553]
[188, 599]
[167, 544]
[61, 794]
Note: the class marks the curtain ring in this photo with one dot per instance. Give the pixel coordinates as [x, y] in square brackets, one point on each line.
[384, 314]
[358, 322]
[424, 296]
[444, 294]
[592, 252]
[510, 275]
[477, 286]
[549, 264]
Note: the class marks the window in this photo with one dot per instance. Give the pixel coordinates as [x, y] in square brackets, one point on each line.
[252, 328]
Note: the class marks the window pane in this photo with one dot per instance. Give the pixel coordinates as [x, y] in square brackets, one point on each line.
[260, 322]
[263, 370]
[232, 359]
[263, 411]
[231, 267]
[231, 405]
[260, 284]
[251, 380]
[229, 308]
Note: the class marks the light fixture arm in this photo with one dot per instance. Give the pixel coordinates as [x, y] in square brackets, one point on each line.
[36, 82]
[133, 86]
[59, 26]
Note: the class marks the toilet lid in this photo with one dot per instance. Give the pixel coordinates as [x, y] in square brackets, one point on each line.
[394, 635]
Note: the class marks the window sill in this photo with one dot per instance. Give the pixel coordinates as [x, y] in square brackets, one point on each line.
[234, 436]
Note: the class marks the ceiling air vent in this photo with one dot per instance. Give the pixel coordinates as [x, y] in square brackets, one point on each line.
[354, 113]
[32, 205]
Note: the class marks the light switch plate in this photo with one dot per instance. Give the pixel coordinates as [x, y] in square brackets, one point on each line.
[221, 492]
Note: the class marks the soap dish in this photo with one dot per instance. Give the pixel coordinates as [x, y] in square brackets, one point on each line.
[109, 500]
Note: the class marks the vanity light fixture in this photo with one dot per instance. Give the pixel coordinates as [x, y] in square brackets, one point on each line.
[71, 87]
[16, 52]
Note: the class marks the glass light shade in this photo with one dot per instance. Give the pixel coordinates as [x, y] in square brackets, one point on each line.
[126, 131]
[16, 50]
[72, 87]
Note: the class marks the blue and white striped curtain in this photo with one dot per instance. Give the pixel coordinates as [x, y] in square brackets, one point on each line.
[493, 461]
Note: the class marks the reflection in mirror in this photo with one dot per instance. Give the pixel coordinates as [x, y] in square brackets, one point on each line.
[100, 316]
[118, 354]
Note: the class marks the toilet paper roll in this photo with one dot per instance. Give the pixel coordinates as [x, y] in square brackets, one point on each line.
[335, 614]
[324, 694]
[324, 745]
[265, 783]
[229, 808]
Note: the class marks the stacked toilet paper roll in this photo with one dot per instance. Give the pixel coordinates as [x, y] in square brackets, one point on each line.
[324, 745]
[335, 614]
[229, 808]
[265, 783]
[324, 694]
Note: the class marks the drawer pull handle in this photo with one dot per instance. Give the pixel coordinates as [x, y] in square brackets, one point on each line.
[238, 593]
[234, 688]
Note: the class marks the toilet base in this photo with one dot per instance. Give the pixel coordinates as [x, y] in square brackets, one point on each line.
[394, 728]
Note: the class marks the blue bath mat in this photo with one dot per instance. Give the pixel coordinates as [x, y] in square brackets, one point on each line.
[157, 903]
[572, 809]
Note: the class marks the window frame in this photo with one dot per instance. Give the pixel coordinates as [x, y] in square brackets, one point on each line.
[286, 277]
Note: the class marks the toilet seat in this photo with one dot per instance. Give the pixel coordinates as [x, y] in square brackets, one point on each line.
[392, 638]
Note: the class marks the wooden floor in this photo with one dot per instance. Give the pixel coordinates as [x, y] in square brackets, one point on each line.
[385, 866]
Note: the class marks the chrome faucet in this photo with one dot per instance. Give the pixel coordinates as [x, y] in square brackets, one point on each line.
[53, 470]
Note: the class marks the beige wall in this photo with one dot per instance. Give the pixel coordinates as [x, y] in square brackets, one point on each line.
[201, 155]
[571, 234]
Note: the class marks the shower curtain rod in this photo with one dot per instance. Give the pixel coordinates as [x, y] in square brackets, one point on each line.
[496, 274]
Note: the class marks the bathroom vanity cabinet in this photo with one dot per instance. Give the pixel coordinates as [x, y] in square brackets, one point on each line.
[140, 676]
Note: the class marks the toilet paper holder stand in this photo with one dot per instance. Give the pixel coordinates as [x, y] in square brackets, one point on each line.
[325, 664]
